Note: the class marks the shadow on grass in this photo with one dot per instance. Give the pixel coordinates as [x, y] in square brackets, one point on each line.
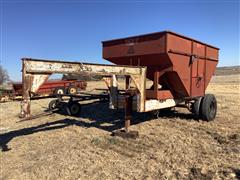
[98, 113]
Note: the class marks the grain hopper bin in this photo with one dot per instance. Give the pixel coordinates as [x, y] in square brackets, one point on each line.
[181, 65]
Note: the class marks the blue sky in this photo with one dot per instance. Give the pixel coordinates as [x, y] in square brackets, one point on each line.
[73, 30]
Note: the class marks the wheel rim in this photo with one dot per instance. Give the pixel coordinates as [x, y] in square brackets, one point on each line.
[74, 109]
[60, 91]
[54, 105]
[73, 91]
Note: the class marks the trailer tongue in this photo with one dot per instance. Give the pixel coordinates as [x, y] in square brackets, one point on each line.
[180, 68]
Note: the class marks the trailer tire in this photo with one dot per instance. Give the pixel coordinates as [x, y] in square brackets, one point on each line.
[72, 90]
[74, 108]
[196, 108]
[59, 90]
[209, 107]
[53, 104]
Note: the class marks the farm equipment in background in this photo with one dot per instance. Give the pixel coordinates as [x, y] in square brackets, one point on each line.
[179, 67]
[47, 89]
[54, 87]
[6, 92]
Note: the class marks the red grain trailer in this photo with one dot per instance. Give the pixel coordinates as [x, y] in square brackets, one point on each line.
[181, 65]
[180, 68]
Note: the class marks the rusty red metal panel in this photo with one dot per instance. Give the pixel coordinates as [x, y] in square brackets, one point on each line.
[190, 63]
[160, 95]
[134, 46]
[198, 49]
[179, 44]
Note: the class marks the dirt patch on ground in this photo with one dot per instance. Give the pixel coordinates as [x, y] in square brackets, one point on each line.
[174, 146]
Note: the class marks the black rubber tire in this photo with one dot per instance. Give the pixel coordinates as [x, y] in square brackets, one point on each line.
[53, 104]
[196, 108]
[59, 90]
[74, 108]
[209, 107]
[72, 90]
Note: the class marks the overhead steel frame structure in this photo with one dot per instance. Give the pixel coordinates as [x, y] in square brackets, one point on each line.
[36, 71]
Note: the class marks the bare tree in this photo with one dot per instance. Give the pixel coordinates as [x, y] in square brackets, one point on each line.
[3, 75]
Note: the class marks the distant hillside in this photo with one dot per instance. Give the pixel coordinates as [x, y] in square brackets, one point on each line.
[227, 70]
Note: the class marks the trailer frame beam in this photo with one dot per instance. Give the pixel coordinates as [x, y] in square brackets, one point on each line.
[36, 71]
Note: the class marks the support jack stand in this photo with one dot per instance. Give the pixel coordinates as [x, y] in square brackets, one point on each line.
[125, 133]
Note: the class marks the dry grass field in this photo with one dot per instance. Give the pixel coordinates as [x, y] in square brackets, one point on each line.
[172, 146]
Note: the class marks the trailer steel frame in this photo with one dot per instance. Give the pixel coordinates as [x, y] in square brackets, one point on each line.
[36, 71]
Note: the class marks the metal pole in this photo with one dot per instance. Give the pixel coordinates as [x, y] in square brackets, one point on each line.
[127, 84]
[128, 111]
